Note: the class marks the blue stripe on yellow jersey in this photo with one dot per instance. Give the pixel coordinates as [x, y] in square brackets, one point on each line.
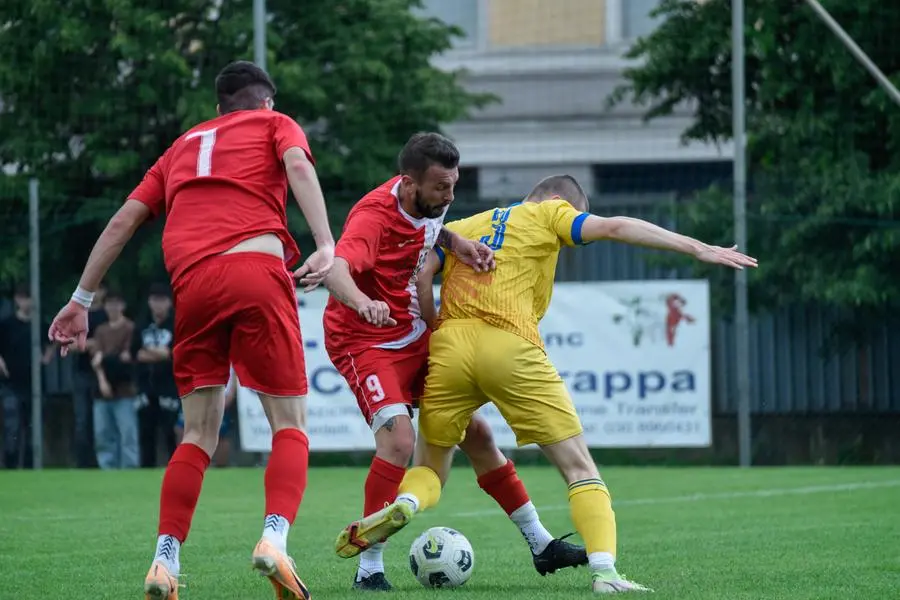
[526, 239]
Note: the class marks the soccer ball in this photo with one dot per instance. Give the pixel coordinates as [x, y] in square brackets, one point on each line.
[441, 558]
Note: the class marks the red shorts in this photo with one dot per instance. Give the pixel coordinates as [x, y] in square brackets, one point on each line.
[380, 377]
[238, 309]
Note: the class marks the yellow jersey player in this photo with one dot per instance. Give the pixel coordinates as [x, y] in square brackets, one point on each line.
[487, 348]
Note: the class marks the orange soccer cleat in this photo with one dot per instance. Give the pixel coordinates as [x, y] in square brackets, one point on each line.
[160, 584]
[281, 571]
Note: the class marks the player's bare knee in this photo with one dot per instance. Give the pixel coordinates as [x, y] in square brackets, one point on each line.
[479, 437]
[203, 411]
[203, 440]
[284, 412]
[480, 448]
[202, 431]
[395, 440]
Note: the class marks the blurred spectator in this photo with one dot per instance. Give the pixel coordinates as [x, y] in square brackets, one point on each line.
[15, 380]
[85, 387]
[115, 409]
[222, 455]
[151, 350]
[7, 308]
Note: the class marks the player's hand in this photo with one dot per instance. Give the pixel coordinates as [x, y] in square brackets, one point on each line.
[69, 327]
[729, 257]
[475, 254]
[377, 313]
[315, 269]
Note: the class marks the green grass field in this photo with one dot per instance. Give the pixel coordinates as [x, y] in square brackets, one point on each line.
[814, 533]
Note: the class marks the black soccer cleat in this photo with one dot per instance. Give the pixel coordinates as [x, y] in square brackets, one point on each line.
[559, 554]
[376, 582]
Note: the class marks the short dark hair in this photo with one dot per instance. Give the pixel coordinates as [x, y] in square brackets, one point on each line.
[564, 186]
[242, 86]
[425, 149]
[113, 294]
[159, 289]
[22, 290]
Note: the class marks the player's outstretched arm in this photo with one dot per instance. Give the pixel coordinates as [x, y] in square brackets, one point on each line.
[340, 284]
[642, 233]
[425, 288]
[71, 323]
[304, 182]
[118, 231]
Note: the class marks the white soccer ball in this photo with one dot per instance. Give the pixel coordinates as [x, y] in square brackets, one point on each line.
[441, 558]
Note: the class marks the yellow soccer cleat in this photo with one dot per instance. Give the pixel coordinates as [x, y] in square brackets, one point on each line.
[281, 571]
[609, 581]
[374, 529]
[160, 584]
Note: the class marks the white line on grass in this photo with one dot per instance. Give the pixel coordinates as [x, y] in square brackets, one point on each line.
[45, 515]
[699, 497]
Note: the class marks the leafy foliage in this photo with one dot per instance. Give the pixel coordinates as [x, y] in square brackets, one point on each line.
[93, 91]
[824, 198]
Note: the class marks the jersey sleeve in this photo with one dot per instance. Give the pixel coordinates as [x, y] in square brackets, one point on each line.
[358, 244]
[151, 191]
[288, 134]
[565, 221]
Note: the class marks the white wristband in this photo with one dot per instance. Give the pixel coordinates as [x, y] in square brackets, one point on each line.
[83, 297]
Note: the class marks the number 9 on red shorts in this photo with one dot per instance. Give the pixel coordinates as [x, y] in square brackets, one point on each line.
[384, 380]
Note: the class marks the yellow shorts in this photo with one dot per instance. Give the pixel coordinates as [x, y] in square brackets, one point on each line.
[472, 363]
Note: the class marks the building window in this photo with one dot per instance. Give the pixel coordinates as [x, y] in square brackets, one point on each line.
[636, 20]
[546, 23]
[468, 187]
[460, 13]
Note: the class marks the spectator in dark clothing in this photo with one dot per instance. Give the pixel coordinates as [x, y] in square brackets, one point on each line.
[85, 388]
[151, 350]
[15, 380]
[115, 409]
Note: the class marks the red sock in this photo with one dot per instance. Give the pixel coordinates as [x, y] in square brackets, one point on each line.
[285, 478]
[504, 486]
[381, 485]
[181, 490]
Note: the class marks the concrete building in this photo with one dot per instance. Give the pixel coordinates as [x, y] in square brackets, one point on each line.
[553, 63]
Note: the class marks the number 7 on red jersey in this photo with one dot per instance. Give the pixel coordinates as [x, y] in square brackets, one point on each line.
[204, 157]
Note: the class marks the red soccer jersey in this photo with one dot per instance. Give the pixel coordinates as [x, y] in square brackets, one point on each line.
[385, 248]
[220, 183]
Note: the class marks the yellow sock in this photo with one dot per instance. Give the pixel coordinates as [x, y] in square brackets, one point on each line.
[422, 487]
[593, 515]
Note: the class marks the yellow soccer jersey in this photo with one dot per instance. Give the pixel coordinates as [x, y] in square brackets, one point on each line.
[526, 238]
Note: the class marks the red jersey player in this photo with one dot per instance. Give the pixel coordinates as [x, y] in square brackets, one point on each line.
[376, 338]
[223, 187]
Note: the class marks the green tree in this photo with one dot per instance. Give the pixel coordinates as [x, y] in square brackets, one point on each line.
[823, 138]
[94, 90]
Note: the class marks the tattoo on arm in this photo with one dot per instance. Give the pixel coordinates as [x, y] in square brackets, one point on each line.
[445, 239]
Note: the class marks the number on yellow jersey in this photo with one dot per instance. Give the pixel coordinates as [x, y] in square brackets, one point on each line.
[498, 224]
